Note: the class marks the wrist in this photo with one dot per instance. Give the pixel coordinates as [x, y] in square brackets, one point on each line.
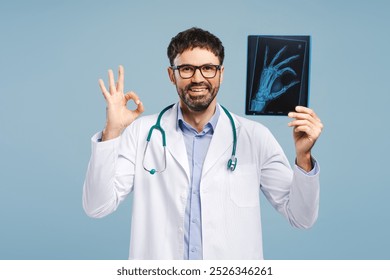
[305, 162]
[109, 134]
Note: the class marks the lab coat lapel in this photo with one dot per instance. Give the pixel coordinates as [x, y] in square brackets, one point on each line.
[221, 142]
[175, 140]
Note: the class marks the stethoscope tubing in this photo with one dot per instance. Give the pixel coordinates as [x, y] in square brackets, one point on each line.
[232, 163]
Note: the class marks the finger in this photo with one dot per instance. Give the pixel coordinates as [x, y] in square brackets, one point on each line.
[121, 79]
[300, 116]
[106, 94]
[303, 109]
[311, 132]
[307, 130]
[140, 107]
[305, 116]
[300, 122]
[111, 81]
[315, 127]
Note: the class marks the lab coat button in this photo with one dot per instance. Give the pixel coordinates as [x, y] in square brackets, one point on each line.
[193, 249]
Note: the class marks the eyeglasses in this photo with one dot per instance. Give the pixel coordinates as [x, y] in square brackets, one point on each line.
[186, 71]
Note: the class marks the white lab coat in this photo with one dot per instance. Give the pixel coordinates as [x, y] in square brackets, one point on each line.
[231, 223]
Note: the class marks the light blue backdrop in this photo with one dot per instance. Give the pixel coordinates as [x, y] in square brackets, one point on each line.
[53, 52]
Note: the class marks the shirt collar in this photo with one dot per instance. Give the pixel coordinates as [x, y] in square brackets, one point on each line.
[212, 122]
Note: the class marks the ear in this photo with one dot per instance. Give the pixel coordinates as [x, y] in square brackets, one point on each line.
[171, 74]
[221, 75]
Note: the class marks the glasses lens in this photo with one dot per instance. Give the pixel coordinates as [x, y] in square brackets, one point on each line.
[186, 71]
[209, 71]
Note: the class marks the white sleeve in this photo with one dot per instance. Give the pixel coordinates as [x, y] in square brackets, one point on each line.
[110, 175]
[303, 205]
[291, 192]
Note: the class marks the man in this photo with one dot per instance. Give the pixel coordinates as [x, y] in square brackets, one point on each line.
[187, 203]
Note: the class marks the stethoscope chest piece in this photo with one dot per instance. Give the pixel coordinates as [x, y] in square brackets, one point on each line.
[232, 163]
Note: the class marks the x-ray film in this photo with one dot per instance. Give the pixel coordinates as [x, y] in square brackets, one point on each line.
[277, 74]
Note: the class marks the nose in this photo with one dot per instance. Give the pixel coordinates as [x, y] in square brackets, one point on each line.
[197, 75]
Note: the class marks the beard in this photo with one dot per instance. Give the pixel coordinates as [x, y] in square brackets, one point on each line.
[198, 101]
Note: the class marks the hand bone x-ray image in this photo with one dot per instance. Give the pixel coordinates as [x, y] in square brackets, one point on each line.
[277, 75]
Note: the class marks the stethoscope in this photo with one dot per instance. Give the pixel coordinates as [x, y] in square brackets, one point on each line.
[232, 163]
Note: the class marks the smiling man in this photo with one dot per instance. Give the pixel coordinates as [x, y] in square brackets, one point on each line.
[197, 89]
[196, 170]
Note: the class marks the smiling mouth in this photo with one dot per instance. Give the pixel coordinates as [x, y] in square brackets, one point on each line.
[198, 89]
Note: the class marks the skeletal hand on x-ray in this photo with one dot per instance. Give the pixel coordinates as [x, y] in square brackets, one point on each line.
[270, 86]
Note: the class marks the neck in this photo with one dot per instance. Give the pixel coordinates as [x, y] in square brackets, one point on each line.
[198, 119]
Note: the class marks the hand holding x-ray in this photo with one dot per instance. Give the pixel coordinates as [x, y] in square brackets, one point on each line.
[307, 129]
[118, 115]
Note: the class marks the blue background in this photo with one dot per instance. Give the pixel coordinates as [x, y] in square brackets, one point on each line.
[53, 52]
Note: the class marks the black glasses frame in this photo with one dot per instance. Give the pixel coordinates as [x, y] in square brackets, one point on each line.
[178, 67]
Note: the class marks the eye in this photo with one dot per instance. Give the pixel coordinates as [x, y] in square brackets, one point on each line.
[187, 68]
[208, 67]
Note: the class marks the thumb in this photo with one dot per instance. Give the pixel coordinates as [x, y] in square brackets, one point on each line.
[133, 96]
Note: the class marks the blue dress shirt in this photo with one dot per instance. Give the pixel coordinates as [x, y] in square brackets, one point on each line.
[197, 145]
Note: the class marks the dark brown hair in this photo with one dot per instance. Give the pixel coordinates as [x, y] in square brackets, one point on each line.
[195, 38]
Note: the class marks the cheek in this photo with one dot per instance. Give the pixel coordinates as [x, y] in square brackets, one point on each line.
[180, 85]
[217, 84]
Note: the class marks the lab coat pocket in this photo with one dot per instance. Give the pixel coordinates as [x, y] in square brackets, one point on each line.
[244, 186]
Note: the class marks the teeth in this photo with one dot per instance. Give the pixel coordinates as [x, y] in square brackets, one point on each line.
[198, 89]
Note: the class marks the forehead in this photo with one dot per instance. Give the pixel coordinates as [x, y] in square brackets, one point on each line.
[196, 56]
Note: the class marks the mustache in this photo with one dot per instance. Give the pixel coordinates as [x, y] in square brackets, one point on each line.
[202, 84]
